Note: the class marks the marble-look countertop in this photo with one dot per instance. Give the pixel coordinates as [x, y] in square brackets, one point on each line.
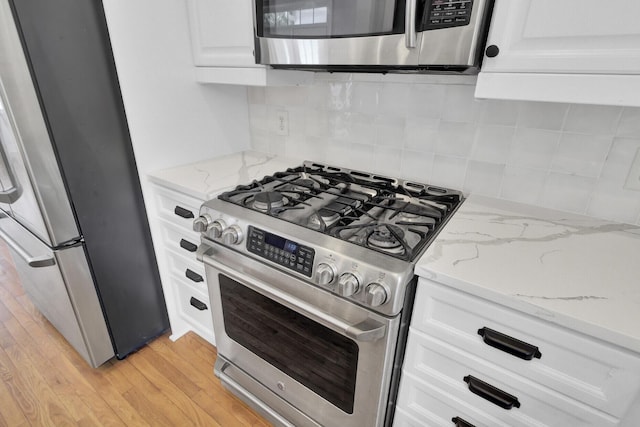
[205, 179]
[571, 270]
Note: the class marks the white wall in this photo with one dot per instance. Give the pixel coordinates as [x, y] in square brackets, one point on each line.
[431, 129]
[172, 119]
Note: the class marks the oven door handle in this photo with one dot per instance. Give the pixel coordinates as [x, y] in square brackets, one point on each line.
[368, 330]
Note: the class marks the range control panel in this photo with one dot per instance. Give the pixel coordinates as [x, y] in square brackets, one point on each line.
[282, 251]
[446, 13]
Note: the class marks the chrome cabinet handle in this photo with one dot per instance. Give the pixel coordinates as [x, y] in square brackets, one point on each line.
[367, 330]
[33, 261]
[410, 24]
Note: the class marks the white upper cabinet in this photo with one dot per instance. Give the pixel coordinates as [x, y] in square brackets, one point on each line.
[582, 51]
[222, 41]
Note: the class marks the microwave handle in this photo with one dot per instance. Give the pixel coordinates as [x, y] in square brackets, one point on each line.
[410, 24]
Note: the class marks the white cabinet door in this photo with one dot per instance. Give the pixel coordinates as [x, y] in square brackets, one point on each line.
[569, 36]
[222, 33]
[579, 51]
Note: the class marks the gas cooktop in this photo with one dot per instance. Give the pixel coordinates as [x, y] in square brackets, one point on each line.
[391, 216]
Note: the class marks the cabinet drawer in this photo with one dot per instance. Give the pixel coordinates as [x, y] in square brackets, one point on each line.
[570, 363]
[179, 240]
[422, 405]
[188, 269]
[445, 367]
[194, 307]
[177, 208]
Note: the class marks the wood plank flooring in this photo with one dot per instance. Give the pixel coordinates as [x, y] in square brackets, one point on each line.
[44, 382]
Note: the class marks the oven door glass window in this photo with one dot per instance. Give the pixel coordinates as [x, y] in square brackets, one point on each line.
[329, 18]
[317, 357]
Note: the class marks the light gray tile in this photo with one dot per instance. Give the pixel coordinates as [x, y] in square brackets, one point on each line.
[567, 192]
[390, 130]
[599, 119]
[422, 134]
[616, 205]
[361, 157]
[317, 123]
[260, 140]
[393, 98]
[629, 125]
[363, 128]
[581, 154]
[522, 185]
[258, 116]
[387, 160]
[256, 95]
[492, 143]
[448, 171]
[533, 148]
[340, 96]
[338, 154]
[542, 115]
[483, 178]
[498, 112]
[455, 139]
[309, 148]
[365, 97]
[618, 163]
[339, 125]
[460, 104]
[286, 95]
[416, 165]
[426, 100]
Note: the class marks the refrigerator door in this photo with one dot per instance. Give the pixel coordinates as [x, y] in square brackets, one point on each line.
[60, 285]
[41, 203]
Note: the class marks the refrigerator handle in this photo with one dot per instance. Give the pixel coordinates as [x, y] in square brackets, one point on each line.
[11, 195]
[33, 261]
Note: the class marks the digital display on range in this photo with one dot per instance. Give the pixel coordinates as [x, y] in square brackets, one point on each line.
[283, 252]
[280, 242]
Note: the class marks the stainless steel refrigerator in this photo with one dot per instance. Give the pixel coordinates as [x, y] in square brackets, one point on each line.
[71, 208]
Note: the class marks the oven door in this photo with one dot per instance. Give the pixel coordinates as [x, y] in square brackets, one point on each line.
[327, 32]
[299, 353]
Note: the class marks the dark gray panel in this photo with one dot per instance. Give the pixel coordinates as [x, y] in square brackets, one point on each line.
[72, 64]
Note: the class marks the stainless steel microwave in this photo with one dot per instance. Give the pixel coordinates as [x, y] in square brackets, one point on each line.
[372, 35]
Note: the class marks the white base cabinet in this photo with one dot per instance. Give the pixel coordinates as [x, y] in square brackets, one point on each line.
[187, 295]
[473, 360]
[581, 51]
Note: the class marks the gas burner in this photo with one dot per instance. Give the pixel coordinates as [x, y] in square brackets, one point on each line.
[268, 200]
[386, 237]
[323, 219]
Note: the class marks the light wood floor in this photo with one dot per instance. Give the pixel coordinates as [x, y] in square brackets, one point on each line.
[44, 382]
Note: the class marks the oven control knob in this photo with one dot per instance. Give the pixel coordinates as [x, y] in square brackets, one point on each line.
[232, 235]
[202, 223]
[325, 273]
[216, 228]
[375, 294]
[348, 285]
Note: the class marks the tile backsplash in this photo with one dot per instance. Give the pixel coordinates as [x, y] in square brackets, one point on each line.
[431, 129]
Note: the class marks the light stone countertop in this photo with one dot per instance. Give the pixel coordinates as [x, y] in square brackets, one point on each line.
[204, 180]
[571, 270]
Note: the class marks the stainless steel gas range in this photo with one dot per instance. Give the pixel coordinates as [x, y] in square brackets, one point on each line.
[311, 280]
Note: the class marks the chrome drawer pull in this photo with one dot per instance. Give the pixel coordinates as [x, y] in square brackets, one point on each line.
[491, 393]
[184, 213]
[459, 422]
[509, 344]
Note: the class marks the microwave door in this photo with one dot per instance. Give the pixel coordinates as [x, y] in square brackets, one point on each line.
[328, 33]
